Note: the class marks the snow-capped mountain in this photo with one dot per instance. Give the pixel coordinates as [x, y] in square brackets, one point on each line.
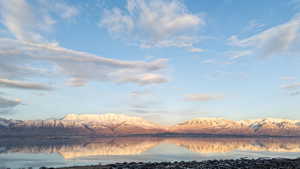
[110, 120]
[267, 126]
[271, 126]
[4, 122]
[210, 126]
[117, 124]
[87, 124]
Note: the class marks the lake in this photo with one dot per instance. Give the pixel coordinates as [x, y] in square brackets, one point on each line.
[24, 153]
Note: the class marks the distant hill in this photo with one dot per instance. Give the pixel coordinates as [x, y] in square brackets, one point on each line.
[123, 125]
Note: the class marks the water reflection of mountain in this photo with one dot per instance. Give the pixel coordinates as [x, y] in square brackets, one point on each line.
[90, 147]
[223, 145]
[136, 145]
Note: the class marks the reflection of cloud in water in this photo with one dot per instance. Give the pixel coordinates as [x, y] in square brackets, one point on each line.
[137, 145]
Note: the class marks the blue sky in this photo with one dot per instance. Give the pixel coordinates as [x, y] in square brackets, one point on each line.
[165, 60]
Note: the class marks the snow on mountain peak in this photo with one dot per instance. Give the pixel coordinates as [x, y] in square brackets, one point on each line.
[114, 124]
[271, 123]
[109, 119]
[269, 120]
[99, 117]
[208, 122]
[4, 122]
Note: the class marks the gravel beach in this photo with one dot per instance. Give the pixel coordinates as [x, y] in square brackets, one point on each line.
[210, 164]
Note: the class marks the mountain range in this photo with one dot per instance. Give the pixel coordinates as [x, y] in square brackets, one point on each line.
[123, 125]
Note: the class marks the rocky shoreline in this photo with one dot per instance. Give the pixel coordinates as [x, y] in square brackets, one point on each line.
[243, 163]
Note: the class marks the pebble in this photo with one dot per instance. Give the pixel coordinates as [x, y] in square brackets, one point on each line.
[210, 164]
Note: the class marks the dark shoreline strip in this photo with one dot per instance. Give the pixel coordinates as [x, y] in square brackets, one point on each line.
[244, 163]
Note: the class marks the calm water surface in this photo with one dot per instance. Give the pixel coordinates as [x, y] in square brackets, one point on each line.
[21, 153]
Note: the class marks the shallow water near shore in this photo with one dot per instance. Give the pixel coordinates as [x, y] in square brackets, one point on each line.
[24, 153]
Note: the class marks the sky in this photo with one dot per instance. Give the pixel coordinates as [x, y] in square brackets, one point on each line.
[164, 60]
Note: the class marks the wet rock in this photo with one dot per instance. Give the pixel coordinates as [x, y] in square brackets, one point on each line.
[243, 163]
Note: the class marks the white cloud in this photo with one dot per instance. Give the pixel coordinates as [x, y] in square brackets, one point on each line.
[253, 25]
[144, 79]
[117, 22]
[65, 11]
[155, 23]
[19, 57]
[148, 57]
[280, 39]
[291, 86]
[202, 97]
[196, 50]
[288, 78]
[76, 82]
[16, 15]
[238, 54]
[74, 64]
[29, 23]
[138, 94]
[5, 83]
[7, 103]
[292, 89]
[213, 61]
[209, 61]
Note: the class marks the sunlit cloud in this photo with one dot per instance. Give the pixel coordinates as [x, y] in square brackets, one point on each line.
[288, 78]
[19, 56]
[29, 23]
[279, 39]
[209, 61]
[291, 86]
[5, 83]
[196, 50]
[202, 97]
[253, 26]
[65, 11]
[6, 105]
[144, 79]
[155, 23]
[137, 94]
[76, 64]
[238, 54]
[75, 82]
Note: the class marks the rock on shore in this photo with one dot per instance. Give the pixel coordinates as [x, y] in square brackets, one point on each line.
[210, 164]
